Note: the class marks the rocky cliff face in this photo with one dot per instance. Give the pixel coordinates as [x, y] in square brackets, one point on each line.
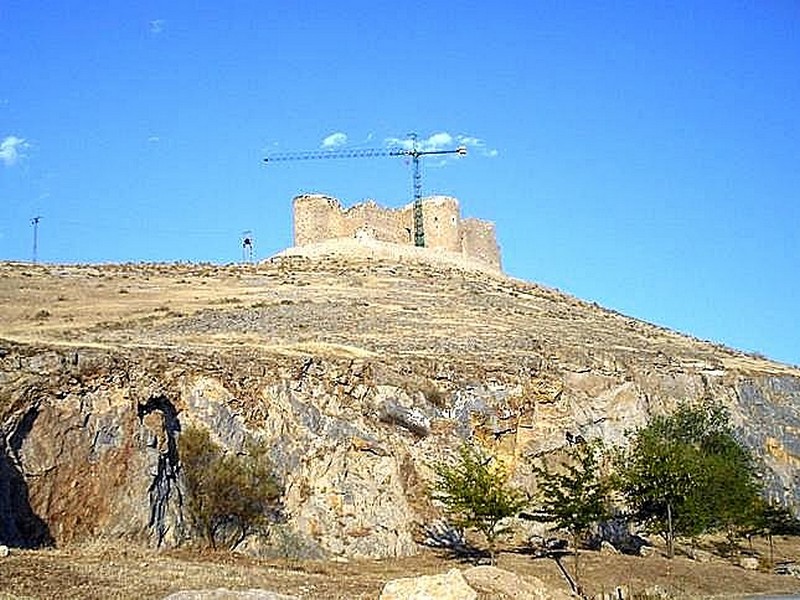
[357, 373]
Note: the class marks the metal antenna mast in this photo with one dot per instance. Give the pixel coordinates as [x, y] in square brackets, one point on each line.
[414, 152]
[35, 222]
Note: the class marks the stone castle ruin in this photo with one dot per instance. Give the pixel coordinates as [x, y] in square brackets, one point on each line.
[319, 218]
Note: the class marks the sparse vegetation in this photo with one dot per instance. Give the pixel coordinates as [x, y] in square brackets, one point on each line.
[228, 495]
[476, 494]
[686, 474]
[574, 495]
[437, 338]
[770, 519]
[434, 394]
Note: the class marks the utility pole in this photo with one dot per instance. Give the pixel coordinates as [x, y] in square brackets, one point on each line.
[35, 222]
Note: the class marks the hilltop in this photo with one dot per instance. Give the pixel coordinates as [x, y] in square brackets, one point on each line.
[358, 369]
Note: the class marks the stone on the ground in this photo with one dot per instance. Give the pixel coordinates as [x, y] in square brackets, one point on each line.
[749, 562]
[696, 554]
[449, 586]
[608, 548]
[505, 585]
[648, 551]
[4, 551]
[225, 594]
[699, 555]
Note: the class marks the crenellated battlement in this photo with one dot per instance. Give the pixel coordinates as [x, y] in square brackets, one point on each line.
[319, 218]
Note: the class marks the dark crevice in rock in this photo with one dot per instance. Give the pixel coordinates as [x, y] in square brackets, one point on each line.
[22, 429]
[20, 526]
[164, 487]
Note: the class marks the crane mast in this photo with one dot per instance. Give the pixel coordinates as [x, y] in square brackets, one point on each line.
[414, 153]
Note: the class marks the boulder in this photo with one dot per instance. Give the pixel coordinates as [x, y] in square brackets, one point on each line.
[695, 554]
[3, 551]
[748, 562]
[503, 585]
[648, 551]
[608, 548]
[450, 586]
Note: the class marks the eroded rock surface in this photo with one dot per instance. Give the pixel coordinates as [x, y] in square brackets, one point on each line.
[357, 374]
[448, 586]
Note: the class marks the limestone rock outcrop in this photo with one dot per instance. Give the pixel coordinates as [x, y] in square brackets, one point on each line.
[504, 585]
[358, 374]
[449, 586]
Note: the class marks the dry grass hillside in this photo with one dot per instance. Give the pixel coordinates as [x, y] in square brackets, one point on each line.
[449, 323]
[409, 311]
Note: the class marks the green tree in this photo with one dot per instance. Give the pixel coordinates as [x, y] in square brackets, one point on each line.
[476, 494]
[686, 474]
[771, 519]
[575, 494]
[227, 495]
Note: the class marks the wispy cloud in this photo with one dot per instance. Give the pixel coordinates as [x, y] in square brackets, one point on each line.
[335, 140]
[157, 26]
[154, 139]
[477, 144]
[438, 141]
[12, 149]
[442, 140]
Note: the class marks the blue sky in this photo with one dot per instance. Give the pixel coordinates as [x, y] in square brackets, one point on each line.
[643, 155]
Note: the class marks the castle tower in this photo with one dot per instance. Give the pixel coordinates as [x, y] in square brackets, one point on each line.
[318, 218]
[441, 221]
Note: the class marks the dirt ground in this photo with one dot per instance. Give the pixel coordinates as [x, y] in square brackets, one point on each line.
[107, 571]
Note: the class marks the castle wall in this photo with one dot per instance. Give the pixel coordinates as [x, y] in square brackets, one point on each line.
[318, 218]
[479, 241]
[441, 223]
[386, 225]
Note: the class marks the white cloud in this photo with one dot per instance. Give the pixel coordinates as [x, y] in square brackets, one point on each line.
[468, 140]
[154, 139]
[11, 149]
[405, 144]
[157, 26]
[335, 140]
[477, 144]
[437, 141]
[443, 141]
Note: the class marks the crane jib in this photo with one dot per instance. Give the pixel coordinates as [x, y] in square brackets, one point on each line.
[318, 154]
[362, 153]
[414, 152]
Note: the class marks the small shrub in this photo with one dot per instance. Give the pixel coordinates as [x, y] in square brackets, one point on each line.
[433, 394]
[476, 494]
[575, 495]
[228, 495]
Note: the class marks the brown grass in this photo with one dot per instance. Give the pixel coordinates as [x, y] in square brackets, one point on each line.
[105, 570]
[347, 307]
